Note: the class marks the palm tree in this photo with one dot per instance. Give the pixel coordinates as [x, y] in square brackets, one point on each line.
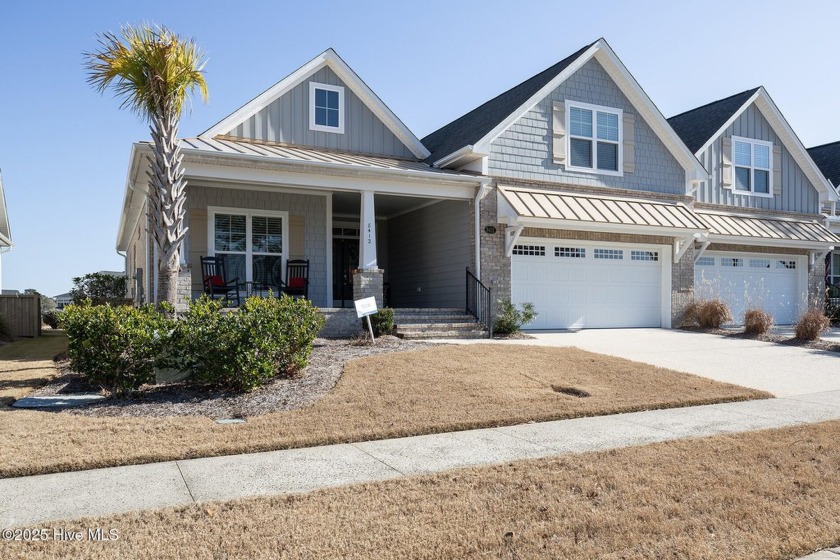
[154, 71]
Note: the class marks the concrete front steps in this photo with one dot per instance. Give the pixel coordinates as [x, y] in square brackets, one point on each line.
[419, 323]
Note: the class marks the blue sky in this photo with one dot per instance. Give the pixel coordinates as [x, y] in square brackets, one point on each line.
[64, 148]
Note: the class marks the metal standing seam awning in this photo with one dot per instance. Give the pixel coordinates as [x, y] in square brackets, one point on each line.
[767, 231]
[521, 207]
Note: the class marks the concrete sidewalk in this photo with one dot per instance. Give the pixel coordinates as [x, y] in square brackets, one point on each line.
[44, 498]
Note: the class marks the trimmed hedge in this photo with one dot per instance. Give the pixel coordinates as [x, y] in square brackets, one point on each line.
[118, 348]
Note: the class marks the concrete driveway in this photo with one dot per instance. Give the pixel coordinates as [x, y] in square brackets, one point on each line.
[781, 370]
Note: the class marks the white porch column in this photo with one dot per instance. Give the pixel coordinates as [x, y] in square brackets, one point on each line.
[367, 239]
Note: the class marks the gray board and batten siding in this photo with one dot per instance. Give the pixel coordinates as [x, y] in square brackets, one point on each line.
[524, 151]
[430, 249]
[286, 120]
[306, 228]
[798, 193]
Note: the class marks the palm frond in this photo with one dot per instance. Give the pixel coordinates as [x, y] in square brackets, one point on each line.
[150, 68]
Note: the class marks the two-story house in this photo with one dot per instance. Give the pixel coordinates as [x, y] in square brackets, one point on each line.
[767, 238]
[827, 157]
[570, 190]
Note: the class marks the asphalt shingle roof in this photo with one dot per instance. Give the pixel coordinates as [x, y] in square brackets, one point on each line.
[696, 126]
[473, 126]
[827, 158]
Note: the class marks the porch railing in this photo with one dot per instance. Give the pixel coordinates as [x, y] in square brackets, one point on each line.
[480, 302]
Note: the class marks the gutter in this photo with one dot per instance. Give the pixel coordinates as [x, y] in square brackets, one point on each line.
[480, 194]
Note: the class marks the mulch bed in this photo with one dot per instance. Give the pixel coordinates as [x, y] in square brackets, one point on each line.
[818, 344]
[178, 399]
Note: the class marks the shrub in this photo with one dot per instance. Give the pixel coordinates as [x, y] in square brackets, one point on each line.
[52, 318]
[811, 325]
[757, 321]
[100, 288]
[115, 347]
[382, 322]
[510, 319]
[245, 349]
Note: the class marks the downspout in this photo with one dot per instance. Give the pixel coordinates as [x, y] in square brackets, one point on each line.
[482, 192]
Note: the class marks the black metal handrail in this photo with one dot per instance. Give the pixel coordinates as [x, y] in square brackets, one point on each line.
[480, 302]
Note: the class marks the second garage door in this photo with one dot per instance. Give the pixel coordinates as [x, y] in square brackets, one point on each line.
[574, 285]
[772, 283]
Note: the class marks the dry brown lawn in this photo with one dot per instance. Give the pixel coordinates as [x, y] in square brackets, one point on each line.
[28, 364]
[443, 388]
[769, 495]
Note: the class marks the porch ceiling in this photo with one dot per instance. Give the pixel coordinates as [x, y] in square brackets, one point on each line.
[387, 206]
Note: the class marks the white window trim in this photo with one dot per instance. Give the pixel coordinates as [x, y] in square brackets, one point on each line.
[752, 167]
[249, 213]
[833, 278]
[594, 169]
[318, 127]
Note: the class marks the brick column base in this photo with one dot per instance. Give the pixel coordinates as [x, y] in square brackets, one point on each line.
[368, 283]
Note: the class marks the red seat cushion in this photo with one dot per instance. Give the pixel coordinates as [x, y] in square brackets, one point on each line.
[216, 281]
[297, 282]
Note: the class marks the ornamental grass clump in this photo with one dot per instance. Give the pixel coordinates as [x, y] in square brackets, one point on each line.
[707, 314]
[757, 322]
[812, 324]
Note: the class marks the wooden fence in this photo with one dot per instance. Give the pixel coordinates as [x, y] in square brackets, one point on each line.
[22, 314]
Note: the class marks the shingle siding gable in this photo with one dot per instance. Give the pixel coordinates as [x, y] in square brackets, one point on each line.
[524, 150]
[798, 193]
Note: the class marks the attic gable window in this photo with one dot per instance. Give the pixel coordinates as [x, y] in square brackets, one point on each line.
[326, 108]
[753, 163]
[595, 136]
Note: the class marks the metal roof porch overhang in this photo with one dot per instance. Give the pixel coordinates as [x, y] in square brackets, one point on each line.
[768, 231]
[520, 208]
[581, 211]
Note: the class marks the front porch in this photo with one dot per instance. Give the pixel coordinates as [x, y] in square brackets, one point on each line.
[407, 251]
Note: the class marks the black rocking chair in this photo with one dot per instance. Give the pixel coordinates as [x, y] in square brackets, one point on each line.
[215, 280]
[297, 279]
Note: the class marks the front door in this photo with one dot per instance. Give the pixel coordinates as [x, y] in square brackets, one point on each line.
[345, 261]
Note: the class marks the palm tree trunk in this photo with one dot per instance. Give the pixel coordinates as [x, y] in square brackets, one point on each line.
[167, 197]
[168, 280]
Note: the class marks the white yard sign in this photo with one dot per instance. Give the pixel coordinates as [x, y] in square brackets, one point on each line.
[365, 308]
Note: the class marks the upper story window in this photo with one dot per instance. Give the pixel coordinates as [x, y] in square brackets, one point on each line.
[595, 138]
[326, 108]
[753, 162]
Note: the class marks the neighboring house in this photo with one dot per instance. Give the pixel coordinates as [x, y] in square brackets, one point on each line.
[5, 229]
[827, 157]
[317, 167]
[586, 199]
[767, 241]
[63, 300]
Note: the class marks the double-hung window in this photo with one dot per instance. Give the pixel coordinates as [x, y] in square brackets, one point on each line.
[326, 108]
[753, 163]
[252, 243]
[595, 137]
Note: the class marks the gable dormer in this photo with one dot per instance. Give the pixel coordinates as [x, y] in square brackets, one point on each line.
[753, 157]
[584, 121]
[324, 104]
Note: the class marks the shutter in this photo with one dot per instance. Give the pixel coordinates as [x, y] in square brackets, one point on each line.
[558, 142]
[726, 162]
[629, 143]
[777, 169]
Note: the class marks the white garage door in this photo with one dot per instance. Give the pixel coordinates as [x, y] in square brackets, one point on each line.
[575, 285]
[742, 280]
